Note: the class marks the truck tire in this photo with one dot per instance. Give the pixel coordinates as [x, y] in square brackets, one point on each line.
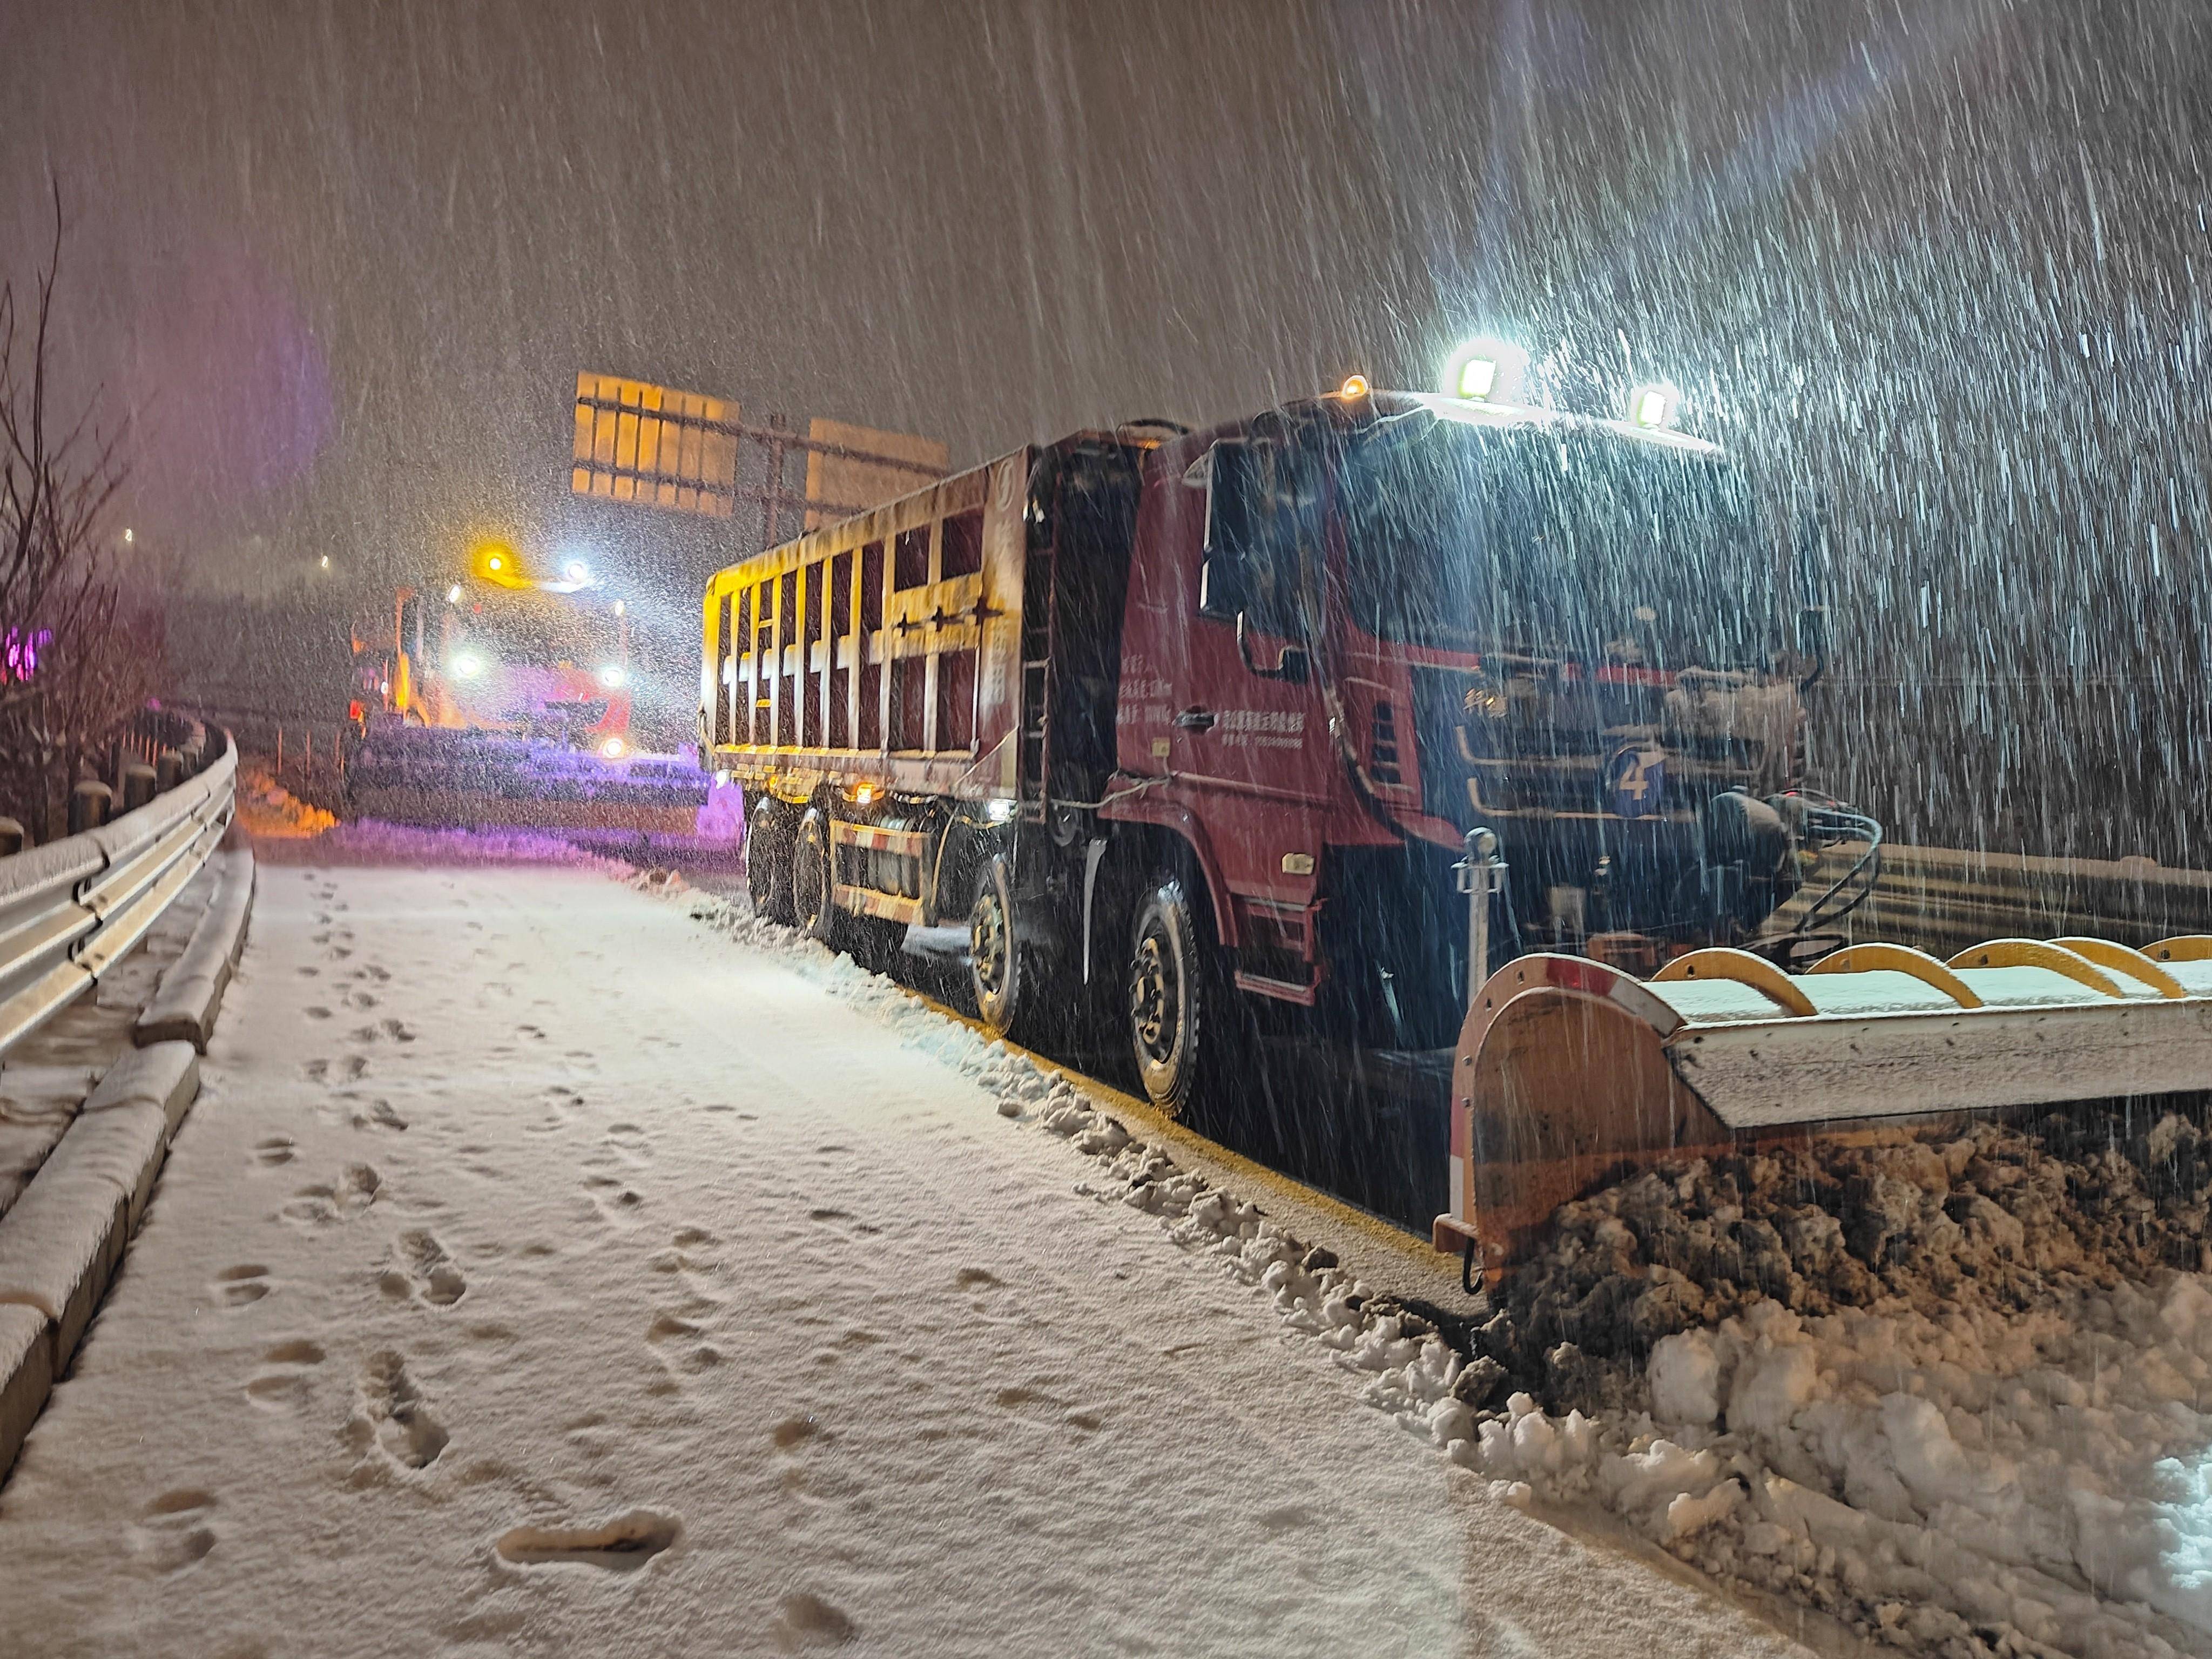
[767, 859]
[1186, 1022]
[1005, 976]
[813, 882]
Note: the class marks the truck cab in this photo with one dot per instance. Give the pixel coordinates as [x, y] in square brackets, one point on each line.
[1359, 626]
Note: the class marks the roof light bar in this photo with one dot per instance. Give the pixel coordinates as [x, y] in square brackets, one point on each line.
[1486, 371]
[1653, 406]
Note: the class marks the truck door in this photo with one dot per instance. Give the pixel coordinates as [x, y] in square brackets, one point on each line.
[1248, 726]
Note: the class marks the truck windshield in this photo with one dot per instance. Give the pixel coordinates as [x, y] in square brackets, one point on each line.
[1580, 543]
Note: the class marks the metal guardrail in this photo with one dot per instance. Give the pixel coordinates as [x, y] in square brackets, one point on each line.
[1943, 899]
[71, 910]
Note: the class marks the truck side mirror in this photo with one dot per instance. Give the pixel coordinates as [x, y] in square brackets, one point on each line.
[1290, 664]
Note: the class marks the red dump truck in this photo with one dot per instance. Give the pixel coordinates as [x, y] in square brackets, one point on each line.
[1209, 730]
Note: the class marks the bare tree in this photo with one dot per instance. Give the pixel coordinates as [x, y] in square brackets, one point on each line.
[77, 658]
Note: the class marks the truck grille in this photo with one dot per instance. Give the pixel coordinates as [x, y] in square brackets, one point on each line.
[1501, 747]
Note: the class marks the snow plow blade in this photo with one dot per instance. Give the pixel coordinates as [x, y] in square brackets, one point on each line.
[1569, 1074]
[461, 778]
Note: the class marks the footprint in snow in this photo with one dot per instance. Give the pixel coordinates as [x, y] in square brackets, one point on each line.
[680, 1334]
[621, 1545]
[614, 1201]
[273, 1150]
[1021, 1395]
[322, 1204]
[378, 1114]
[866, 1229]
[241, 1285]
[429, 1273]
[803, 1619]
[686, 1252]
[282, 1383]
[174, 1531]
[392, 1418]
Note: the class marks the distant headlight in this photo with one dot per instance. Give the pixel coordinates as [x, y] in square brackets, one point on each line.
[611, 676]
[467, 665]
[614, 748]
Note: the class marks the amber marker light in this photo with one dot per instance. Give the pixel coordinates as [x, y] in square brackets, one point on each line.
[499, 564]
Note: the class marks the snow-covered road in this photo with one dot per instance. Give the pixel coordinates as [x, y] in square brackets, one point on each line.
[544, 1272]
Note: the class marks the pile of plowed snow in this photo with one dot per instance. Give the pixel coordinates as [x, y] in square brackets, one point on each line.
[270, 811]
[1950, 1389]
[1944, 1389]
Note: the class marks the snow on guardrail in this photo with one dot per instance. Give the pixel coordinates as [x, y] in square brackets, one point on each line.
[72, 908]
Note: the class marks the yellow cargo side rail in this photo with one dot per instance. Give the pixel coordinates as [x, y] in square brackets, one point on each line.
[884, 650]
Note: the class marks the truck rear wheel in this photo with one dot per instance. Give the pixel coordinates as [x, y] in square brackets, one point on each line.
[1184, 1021]
[767, 859]
[813, 882]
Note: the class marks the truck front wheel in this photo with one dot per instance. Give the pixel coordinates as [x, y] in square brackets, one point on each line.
[1003, 973]
[1183, 1018]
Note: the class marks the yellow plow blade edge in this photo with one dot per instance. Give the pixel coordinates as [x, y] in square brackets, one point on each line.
[1569, 1074]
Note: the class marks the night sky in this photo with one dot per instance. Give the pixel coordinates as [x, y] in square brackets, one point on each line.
[1935, 264]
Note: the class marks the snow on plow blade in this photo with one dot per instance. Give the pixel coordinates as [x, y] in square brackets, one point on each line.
[473, 779]
[1569, 1074]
